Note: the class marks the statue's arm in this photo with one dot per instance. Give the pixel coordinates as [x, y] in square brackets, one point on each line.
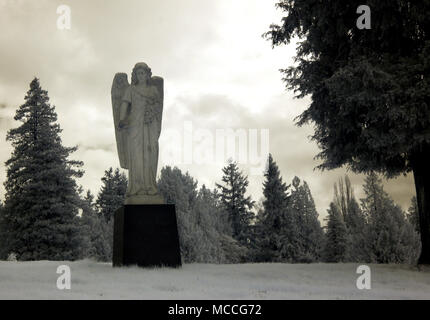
[160, 113]
[159, 84]
[123, 115]
[124, 109]
[159, 126]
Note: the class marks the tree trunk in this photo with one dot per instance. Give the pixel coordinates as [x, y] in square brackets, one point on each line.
[421, 169]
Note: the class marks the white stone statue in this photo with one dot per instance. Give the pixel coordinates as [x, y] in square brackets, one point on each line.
[137, 113]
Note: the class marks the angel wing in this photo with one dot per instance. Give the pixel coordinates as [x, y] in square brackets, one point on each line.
[158, 82]
[119, 85]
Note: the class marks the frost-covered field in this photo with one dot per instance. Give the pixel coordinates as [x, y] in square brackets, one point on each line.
[91, 280]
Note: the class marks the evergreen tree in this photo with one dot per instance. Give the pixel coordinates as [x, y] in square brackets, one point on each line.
[312, 230]
[112, 194]
[181, 189]
[273, 220]
[207, 213]
[307, 238]
[42, 200]
[369, 89]
[391, 237]
[336, 245]
[357, 227]
[222, 221]
[86, 227]
[109, 199]
[201, 220]
[97, 233]
[236, 203]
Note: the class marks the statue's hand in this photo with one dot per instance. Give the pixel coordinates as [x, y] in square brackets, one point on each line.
[123, 124]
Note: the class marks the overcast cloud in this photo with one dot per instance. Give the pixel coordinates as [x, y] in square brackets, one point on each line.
[218, 72]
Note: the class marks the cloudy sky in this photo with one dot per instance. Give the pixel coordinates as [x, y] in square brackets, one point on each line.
[219, 74]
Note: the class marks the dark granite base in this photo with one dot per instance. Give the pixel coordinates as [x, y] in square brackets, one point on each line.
[146, 235]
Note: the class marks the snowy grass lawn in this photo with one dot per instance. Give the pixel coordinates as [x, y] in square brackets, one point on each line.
[92, 280]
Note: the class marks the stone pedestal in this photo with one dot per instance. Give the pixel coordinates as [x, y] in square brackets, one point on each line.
[146, 235]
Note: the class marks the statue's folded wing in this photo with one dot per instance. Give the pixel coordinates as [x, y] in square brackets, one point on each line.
[119, 85]
[158, 82]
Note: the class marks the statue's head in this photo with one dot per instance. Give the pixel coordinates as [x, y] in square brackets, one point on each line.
[141, 72]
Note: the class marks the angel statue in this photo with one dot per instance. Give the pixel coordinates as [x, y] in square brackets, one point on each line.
[137, 113]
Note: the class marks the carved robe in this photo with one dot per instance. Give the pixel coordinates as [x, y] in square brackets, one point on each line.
[143, 131]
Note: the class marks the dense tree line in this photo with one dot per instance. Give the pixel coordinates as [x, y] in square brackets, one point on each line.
[47, 216]
[378, 231]
[97, 215]
[369, 89]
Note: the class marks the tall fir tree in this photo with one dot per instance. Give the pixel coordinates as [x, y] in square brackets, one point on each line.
[112, 193]
[222, 221]
[391, 237]
[236, 203]
[336, 244]
[42, 200]
[274, 223]
[312, 230]
[307, 238]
